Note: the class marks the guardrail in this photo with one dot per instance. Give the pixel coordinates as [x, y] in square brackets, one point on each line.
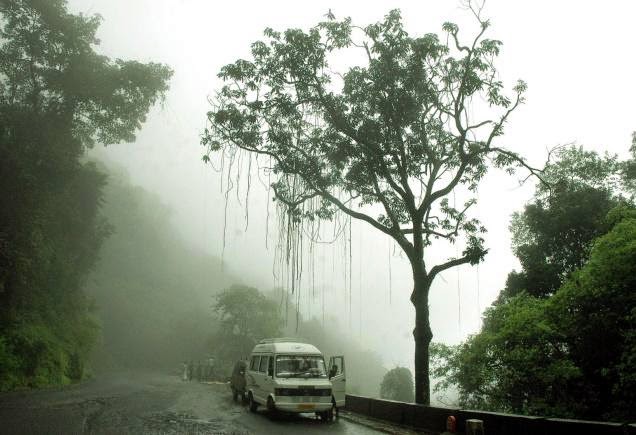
[434, 419]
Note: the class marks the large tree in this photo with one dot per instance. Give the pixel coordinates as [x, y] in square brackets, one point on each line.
[386, 141]
[58, 97]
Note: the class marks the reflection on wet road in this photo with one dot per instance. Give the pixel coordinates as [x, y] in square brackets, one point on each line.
[133, 403]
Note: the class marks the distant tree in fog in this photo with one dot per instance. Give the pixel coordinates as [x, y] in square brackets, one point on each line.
[397, 384]
[245, 316]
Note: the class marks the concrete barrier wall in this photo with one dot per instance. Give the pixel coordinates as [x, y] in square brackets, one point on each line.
[434, 419]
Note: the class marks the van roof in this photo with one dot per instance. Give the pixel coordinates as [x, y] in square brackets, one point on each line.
[287, 347]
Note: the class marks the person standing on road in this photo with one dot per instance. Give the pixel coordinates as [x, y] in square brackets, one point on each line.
[211, 365]
[206, 371]
[184, 371]
[199, 371]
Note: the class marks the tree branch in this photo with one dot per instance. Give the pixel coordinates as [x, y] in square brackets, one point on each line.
[449, 264]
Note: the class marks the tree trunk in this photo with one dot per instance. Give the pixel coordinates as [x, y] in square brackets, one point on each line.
[423, 336]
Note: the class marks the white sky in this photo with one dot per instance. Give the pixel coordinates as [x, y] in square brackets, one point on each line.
[576, 56]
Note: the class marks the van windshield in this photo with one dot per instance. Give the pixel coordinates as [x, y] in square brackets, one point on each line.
[300, 366]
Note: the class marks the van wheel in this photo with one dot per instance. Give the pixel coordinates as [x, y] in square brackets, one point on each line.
[271, 408]
[328, 414]
[251, 403]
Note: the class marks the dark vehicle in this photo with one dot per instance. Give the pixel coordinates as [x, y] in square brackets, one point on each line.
[237, 382]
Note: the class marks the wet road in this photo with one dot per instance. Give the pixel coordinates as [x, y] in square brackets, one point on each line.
[129, 403]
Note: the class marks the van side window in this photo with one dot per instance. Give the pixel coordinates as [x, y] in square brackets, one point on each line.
[263, 366]
[254, 363]
[336, 366]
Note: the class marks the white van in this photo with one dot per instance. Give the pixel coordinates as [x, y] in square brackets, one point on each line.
[285, 375]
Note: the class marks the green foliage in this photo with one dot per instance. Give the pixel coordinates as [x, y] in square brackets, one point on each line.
[57, 97]
[553, 235]
[559, 341]
[595, 312]
[574, 166]
[245, 316]
[49, 65]
[629, 168]
[515, 364]
[9, 366]
[35, 354]
[397, 384]
[567, 355]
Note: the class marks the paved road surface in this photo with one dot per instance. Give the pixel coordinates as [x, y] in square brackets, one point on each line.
[133, 403]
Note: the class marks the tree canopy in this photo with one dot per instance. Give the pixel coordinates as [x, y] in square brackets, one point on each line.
[245, 316]
[562, 346]
[58, 97]
[569, 355]
[553, 235]
[385, 141]
[629, 169]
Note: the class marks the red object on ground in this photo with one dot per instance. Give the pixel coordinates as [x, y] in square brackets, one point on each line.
[451, 424]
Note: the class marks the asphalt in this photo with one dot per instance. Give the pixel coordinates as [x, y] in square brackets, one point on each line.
[154, 403]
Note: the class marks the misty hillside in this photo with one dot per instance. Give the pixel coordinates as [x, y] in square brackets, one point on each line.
[154, 295]
[152, 292]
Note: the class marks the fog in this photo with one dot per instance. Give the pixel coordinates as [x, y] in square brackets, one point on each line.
[575, 56]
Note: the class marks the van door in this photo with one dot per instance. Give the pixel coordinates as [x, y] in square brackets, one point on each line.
[269, 376]
[338, 379]
[252, 375]
[263, 382]
[269, 384]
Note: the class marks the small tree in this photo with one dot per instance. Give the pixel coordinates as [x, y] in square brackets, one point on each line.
[245, 316]
[397, 384]
[394, 133]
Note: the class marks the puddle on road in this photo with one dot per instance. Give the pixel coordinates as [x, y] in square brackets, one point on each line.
[180, 423]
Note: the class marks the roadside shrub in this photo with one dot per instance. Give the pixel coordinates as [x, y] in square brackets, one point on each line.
[398, 385]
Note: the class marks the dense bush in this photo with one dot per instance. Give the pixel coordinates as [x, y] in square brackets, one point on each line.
[560, 339]
[397, 384]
